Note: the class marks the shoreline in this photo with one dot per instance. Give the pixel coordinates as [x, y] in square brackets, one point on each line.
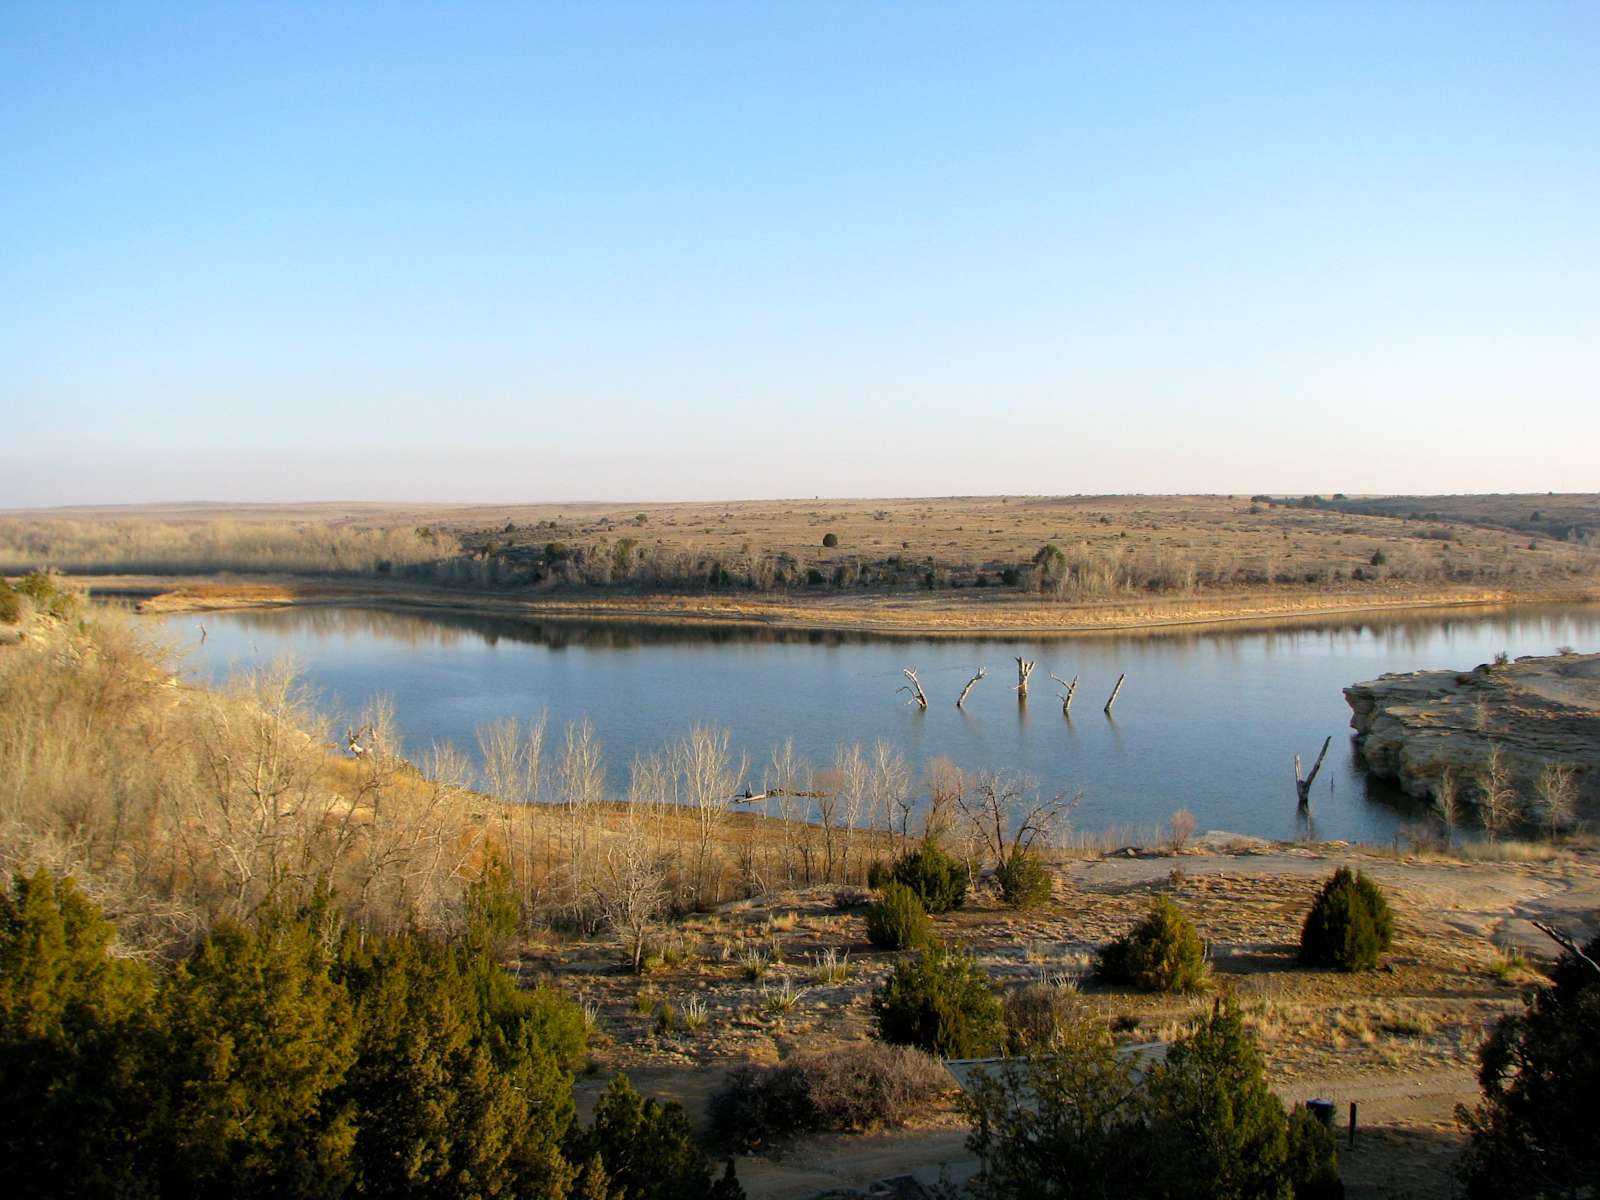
[879, 614]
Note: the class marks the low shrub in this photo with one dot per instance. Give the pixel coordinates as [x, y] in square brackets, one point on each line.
[10, 604]
[943, 1002]
[48, 595]
[1349, 925]
[878, 874]
[847, 898]
[1162, 953]
[939, 881]
[666, 1018]
[830, 540]
[869, 1085]
[1023, 880]
[861, 1086]
[898, 921]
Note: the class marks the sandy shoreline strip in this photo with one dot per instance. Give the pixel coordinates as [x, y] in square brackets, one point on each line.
[887, 614]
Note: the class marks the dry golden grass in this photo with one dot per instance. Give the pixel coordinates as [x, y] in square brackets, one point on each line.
[1114, 544]
[957, 566]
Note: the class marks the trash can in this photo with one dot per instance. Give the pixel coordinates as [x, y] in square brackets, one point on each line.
[1322, 1110]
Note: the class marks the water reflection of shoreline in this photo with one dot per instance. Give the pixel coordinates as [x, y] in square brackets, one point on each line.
[1404, 630]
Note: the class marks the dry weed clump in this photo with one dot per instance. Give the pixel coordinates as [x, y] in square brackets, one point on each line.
[1035, 1012]
[175, 807]
[1511, 851]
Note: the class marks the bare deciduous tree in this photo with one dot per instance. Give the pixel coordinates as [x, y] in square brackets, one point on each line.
[652, 801]
[1496, 798]
[1557, 794]
[256, 822]
[827, 791]
[582, 774]
[513, 773]
[1180, 829]
[850, 769]
[632, 891]
[1447, 800]
[710, 774]
[892, 801]
[1008, 815]
[947, 785]
[786, 776]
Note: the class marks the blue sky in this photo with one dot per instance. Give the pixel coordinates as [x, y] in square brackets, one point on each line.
[672, 251]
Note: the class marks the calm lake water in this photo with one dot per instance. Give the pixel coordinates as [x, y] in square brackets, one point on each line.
[1208, 721]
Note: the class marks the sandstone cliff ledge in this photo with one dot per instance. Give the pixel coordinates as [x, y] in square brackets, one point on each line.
[1410, 727]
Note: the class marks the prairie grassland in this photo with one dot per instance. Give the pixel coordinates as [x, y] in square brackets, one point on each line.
[162, 547]
[1106, 549]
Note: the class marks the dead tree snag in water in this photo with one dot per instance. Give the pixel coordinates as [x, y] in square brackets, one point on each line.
[1024, 669]
[1114, 692]
[918, 696]
[1302, 787]
[1066, 696]
[962, 699]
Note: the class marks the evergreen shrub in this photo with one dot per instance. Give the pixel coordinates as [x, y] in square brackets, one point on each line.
[1162, 953]
[1349, 925]
[1534, 1131]
[898, 921]
[938, 880]
[1023, 880]
[943, 1002]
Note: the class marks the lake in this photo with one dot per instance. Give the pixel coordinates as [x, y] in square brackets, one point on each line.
[1209, 720]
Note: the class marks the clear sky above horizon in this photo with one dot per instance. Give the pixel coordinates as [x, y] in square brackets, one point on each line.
[500, 252]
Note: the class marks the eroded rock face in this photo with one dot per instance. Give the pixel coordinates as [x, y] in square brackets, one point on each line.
[1411, 727]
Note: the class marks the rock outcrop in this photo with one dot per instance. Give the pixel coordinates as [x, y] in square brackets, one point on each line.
[1411, 727]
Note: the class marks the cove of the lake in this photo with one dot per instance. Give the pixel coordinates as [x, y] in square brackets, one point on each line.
[1209, 720]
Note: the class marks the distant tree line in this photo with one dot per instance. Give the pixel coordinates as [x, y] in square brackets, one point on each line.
[549, 556]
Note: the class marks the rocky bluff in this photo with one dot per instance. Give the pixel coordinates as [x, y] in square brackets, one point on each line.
[1411, 727]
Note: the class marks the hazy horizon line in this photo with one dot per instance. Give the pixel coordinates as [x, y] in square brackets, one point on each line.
[1275, 494]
